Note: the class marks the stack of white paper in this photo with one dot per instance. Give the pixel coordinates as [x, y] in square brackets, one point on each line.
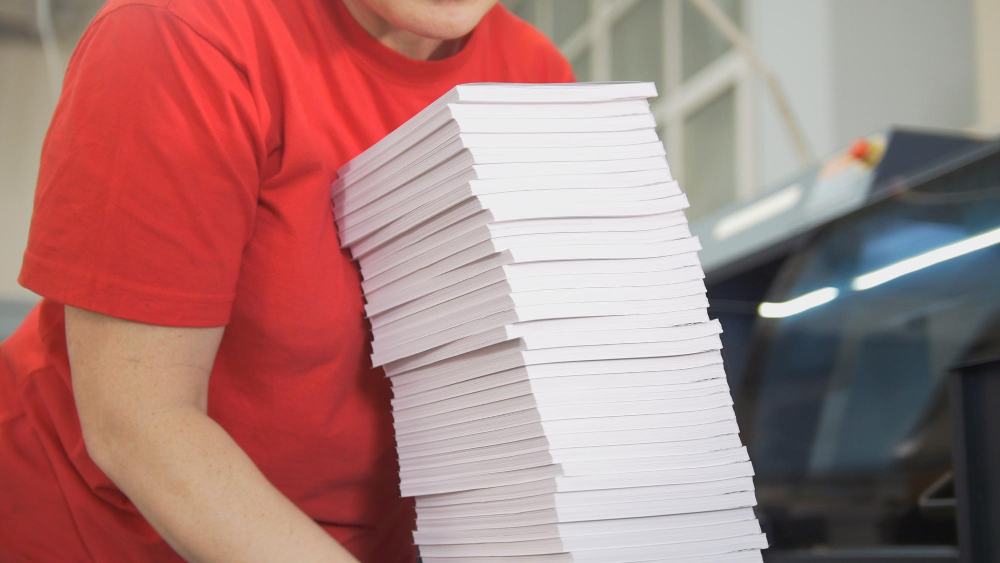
[537, 301]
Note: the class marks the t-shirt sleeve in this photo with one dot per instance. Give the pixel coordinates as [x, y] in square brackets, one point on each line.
[149, 175]
[532, 51]
[562, 71]
[559, 70]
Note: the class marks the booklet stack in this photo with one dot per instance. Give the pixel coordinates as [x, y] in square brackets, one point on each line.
[537, 301]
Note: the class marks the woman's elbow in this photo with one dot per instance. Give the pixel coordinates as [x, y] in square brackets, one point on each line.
[104, 437]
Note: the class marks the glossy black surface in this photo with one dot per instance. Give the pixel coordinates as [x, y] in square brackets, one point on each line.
[844, 406]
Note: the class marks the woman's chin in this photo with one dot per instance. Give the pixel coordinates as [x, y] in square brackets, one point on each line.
[443, 20]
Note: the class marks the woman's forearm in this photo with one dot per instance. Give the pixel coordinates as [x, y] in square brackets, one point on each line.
[141, 393]
[204, 495]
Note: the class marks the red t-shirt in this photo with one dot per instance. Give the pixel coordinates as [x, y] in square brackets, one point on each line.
[185, 181]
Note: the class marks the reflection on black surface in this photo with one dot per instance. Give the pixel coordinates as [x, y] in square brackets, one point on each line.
[843, 406]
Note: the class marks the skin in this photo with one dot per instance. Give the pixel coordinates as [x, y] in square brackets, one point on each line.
[142, 390]
[420, 29]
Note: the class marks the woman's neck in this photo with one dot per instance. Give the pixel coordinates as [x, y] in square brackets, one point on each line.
[398, 39]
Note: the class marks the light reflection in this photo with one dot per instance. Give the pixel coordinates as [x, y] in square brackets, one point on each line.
[799, 304]
[921, 261]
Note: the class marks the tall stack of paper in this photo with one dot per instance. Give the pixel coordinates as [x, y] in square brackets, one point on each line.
[537, 301]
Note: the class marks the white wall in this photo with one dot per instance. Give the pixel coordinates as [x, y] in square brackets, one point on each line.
[906, 62]
[853, 67]
[795, 39]
[987, 21]
[25, 108]
[26, 104]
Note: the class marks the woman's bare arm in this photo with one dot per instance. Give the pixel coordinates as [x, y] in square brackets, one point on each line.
[141, 392]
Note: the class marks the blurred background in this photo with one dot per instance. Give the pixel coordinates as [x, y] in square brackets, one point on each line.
[844, 178]
[847, 67]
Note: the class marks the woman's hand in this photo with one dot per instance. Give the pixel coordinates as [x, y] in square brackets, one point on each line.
[141, 392]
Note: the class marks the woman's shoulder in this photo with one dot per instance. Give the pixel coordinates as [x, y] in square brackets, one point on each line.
[505, 23]
[225, 24]
[523, 44]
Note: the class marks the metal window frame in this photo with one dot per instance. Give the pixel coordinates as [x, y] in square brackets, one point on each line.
[680, 99]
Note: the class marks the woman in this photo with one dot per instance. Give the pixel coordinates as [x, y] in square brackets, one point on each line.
[221, 404]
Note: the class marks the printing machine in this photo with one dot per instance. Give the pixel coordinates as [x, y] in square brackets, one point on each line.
[853, 297]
